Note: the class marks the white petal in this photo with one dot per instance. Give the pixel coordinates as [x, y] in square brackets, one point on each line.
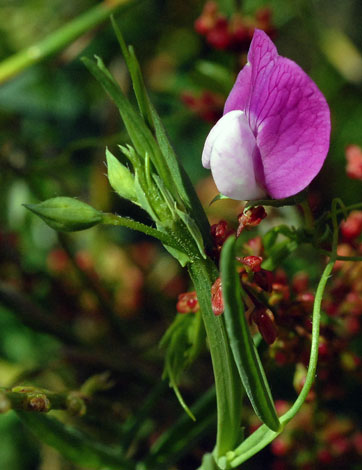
[228, 151]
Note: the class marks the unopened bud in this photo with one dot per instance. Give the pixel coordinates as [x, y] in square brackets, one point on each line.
[120, 178]
[66, 214]
[265, 322]
[217, 301]
[187, 303]
[253, 263]
[251, 218]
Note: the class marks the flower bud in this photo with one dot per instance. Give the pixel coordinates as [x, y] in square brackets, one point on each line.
[264, 319]
[250, 218]
[253, 263]
[217, 301]
[120, 178]
[66, 214]
[187, 303]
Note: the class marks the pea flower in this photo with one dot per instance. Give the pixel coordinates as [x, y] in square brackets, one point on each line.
[274, 135]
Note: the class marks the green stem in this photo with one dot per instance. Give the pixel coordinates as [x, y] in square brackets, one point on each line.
[59, 39]
[41, 401]
[308, 216]
[111, 219]
[228, 386]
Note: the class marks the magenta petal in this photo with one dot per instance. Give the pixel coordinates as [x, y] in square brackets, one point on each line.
[293, 129]
[288, 115]
[262, 56]
[228, 151]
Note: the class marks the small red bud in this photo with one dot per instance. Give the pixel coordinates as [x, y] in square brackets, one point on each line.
[264, 319]
[252, 262]
[217, 302]
[250, 218]
[187, 303]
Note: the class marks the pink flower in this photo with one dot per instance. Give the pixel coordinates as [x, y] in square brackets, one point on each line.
[274, 135]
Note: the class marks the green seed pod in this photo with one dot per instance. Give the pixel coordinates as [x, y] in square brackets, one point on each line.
[66, 214]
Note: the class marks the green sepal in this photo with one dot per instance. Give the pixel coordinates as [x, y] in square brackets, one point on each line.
[242, 346]
[74, 444]
[218, 197]
[288, 201]
[66, 214]
[120, 178]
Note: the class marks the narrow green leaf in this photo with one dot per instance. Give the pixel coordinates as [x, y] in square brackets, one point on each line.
[242, 346]
[73, 444]
[136, 75]
[140, 135]
[193, 229]
[183, 340]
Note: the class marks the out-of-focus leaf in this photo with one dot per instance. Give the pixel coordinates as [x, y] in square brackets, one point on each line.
[183, 340]
[215, 77]
[177, 440]
[243, 348]
[278, 253]
[74, 444]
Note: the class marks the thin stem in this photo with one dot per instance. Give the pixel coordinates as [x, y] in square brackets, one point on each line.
[228, 386]
[41, 401]
[111, 219]
[308, 216]
[316, 323]
[328, 215]
[59, 39]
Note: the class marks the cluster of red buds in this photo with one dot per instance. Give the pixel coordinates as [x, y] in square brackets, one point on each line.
[207, 105]
[354, 162]
[234, 33]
